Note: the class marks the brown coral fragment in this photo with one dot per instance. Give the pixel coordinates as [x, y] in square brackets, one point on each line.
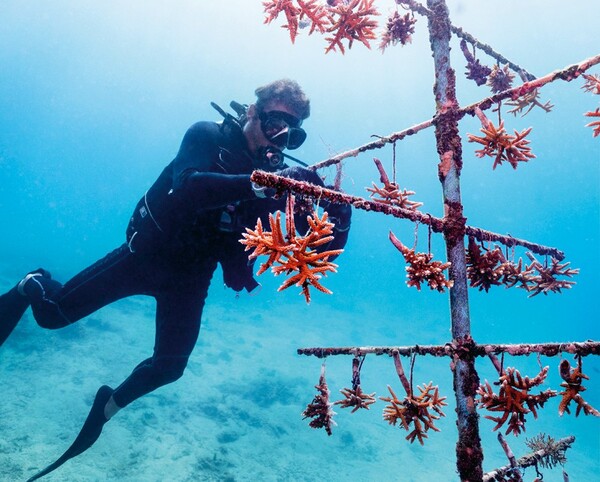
[513, 398]
[320, 408]
[355, 398]
[546, 279]
[500, 78]
[528, 101]
[573, 378]
[398, 29]
[421, 268]
[595, 124]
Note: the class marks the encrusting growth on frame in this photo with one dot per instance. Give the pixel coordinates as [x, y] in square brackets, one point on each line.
[290, 253]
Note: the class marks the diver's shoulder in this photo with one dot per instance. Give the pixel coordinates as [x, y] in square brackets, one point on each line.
[204, 129]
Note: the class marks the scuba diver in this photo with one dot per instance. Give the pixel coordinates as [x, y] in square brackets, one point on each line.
[188, 222]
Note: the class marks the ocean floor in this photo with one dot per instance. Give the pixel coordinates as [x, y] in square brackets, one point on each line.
[236, 413]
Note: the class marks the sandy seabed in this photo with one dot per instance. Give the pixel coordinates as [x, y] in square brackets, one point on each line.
[236, 413]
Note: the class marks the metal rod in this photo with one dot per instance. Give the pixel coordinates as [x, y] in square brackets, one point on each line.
[270, 179]
[520, 349]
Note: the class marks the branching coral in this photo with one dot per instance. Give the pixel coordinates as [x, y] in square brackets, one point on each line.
[320, 408]
[573, 378]
[354, 397]
[390, 193]
[514, 399]
[422, 269]
[500, 145]
[500, 78]
[475, 70]
[351, 21]
[295, 14]
[399, 29]
[594, 124]
[545, 281]
[528, 101]
[413, 409]
[554, 453]
[294, 253]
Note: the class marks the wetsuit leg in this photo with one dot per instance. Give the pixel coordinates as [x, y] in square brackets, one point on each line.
[178, 314]
[119, 274]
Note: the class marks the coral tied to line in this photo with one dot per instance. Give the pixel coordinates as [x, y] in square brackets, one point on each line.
[290, 253]
[422, 269]
[514, 399]
[592, 84]
[572, 384]
[320, 408]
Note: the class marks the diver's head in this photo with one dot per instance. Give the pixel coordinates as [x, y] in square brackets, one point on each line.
[274, 122]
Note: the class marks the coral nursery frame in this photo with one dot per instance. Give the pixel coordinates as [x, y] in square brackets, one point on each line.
[462, 349]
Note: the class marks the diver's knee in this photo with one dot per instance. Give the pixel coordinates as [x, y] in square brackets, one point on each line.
[49, 320]
[171, 372]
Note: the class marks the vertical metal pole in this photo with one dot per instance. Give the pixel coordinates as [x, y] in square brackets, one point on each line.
[468, 448]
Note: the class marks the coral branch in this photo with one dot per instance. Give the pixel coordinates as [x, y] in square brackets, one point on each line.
[531, 459]
[547, 349]
[320, 408]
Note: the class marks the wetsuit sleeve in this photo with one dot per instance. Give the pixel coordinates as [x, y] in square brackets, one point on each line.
[193, 180]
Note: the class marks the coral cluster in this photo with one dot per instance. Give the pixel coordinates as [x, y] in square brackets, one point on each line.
[554, 453]
[572, 384]
[475, 70]
[296, 15]
[500, 78]
[528, 101]
[294, 253]
[320, 408]
[500, 145]
[489, 267]
[422, 269]
[514, 399]
[415, 410]
[398, 29]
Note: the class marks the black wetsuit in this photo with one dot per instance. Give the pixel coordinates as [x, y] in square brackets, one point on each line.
[189, 221]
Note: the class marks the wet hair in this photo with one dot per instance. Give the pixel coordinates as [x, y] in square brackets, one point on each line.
[287, 92]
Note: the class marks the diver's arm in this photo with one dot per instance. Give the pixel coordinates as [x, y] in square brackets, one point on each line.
[192, 180]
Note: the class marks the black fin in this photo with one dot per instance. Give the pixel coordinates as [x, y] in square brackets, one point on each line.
[89, 433]
[12, 307]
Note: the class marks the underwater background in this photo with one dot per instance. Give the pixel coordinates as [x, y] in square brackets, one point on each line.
[94, 100]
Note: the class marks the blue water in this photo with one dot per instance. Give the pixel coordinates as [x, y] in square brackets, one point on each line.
[94, 99]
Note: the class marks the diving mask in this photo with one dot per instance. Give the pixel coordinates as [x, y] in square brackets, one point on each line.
[282, 129]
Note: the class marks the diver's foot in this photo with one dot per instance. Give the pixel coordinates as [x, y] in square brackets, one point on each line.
[89, 433]
[14, 303]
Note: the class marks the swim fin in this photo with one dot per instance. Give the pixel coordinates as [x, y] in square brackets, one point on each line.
[12, 307]
[14, 303]
[90, 432]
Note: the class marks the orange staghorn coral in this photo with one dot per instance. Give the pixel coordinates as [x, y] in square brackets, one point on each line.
[422, 269]
[415, 410]
[573, 388]
[545, 281]
[595, 124]
[513, 398]
[592, 83]
[354, 397]
[295, 14]
[291, 253]
[500, 145]
[390, 193]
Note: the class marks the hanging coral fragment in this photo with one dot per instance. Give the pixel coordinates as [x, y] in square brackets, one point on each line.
[500, 145]
[398, 29]
[592, 84]
[513, 399]
[390, 192]
[294, 254]
[320, 408]
[354, 397]
[422, 269]
[572, 384]
[546, 279]
[414, 410]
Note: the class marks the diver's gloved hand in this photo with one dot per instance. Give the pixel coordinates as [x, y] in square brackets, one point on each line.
[301, 174]
[340, 215]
